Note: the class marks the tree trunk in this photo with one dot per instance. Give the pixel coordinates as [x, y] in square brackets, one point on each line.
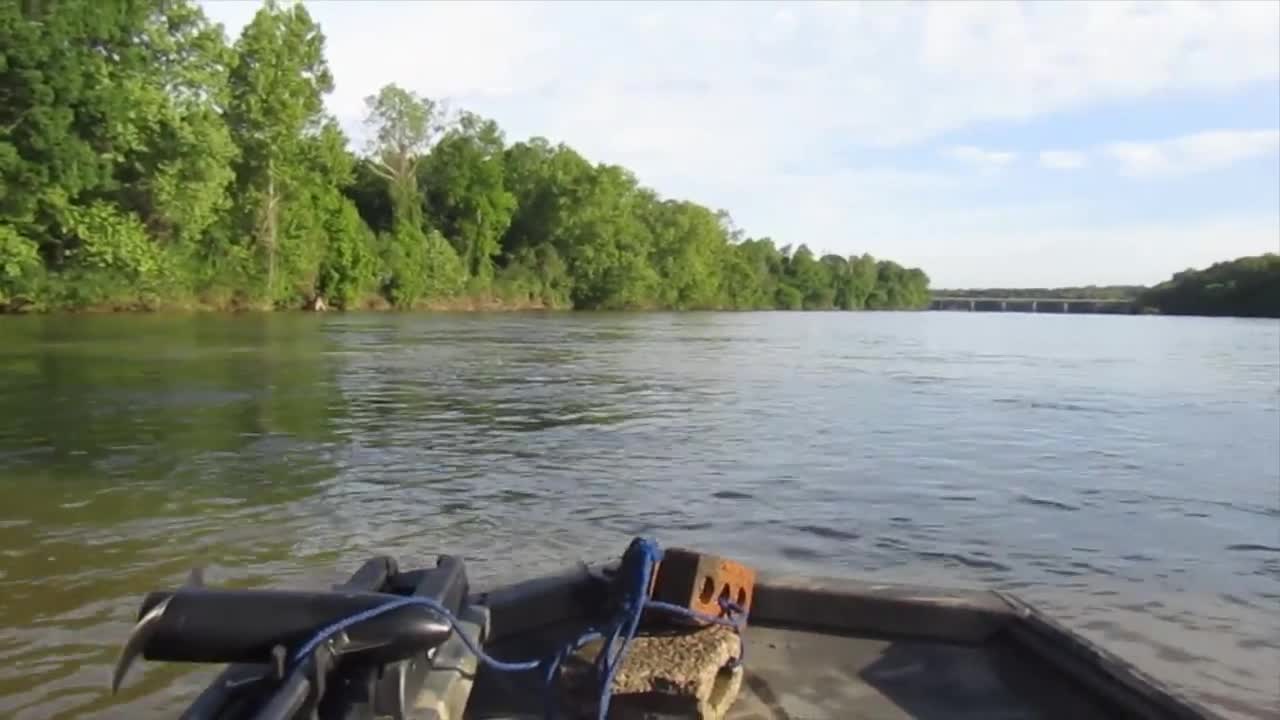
[271, 232]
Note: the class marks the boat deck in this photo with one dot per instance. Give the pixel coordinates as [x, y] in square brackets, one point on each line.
[793, 674]
[799, 675]
[820, 649]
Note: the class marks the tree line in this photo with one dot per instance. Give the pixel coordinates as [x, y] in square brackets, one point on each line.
[146, 161]
[1244, 287]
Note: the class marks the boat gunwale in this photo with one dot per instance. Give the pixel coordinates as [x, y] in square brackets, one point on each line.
[1103, 671]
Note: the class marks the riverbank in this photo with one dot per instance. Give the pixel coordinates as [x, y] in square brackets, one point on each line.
[456, 305]
[496, 300]
[477, 303]
[487, 304]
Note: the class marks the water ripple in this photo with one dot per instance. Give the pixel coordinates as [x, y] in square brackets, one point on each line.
[1122, 475]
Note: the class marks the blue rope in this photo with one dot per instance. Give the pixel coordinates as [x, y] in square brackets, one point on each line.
[634, 602]
[633, 610]
[553, 670]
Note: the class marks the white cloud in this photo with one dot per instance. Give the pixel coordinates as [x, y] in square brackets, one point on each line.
[721, 79]
[1194, 153]
[986, 160]
[1178, 156]
[1062, 159]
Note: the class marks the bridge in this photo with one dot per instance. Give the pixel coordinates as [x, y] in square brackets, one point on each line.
[1035, 305]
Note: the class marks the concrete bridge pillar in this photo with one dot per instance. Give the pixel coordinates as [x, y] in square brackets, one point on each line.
[1033, 306]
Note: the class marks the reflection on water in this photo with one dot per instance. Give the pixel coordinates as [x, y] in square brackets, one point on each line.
[1121, 471]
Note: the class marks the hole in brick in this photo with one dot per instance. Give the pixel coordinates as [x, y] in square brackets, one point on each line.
[742, 597]
[724, 592]
[708, 590]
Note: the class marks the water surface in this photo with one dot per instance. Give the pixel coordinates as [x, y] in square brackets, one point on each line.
[1122, 471]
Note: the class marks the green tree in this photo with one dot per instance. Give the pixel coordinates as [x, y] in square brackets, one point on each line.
[404, 126]
[536, 276]
[755, 286]
[466, 195]
[788, 297]
[839, 275]
[810, 279]
[54, 99]
[111, 136]
[1247, 286]
[368, 191]
[898, 287]
[318, 225]
[422, 266]
[20, 268]
[276, 111]
[861, 281]
[688, 253]
[174, 148]
[605, 243]
[349, 270]
[535, 173]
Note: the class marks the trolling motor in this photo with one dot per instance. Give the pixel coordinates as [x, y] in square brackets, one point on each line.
[300, 654]
[408, 645]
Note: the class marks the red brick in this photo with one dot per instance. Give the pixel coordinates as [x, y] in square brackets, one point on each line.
[697, 581]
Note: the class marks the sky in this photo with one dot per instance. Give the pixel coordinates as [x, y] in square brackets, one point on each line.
[1000, 144]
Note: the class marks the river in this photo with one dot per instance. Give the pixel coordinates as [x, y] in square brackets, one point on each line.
[1122, 471]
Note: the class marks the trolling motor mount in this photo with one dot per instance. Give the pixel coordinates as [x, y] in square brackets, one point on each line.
[379, 661]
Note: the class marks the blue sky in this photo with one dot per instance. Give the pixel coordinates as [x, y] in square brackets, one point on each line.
[992, 144]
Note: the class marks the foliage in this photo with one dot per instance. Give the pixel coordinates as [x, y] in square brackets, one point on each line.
[146, 160]
[422, 266]
[111, 241]
[465, 192]
[1246, 287]
[276, 117]
[20, 267]
[404, 126]
[349, 270]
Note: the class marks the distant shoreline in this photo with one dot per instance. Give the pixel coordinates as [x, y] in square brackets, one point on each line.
[482, 307]
[1247, 287]
[423, 309]
[1244, 287]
